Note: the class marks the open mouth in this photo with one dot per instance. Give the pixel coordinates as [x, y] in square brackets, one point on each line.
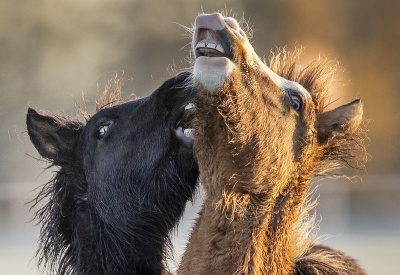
[213, 46]
[209, 44]
[183, 128]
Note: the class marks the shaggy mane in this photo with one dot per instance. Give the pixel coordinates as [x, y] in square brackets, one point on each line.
[53, 253]
[54, 201]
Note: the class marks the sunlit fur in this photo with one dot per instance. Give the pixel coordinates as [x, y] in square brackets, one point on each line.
[257, 157]
[112, 203]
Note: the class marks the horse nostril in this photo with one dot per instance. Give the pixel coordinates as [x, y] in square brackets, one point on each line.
[217, 16]
[232, 23]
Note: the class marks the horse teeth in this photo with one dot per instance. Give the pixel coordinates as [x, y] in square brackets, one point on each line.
[189, 106]
[220, 49]
[211, 45]
[201, 45]
[188, 132]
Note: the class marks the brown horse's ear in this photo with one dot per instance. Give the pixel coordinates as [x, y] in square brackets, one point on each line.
[340, 122]
[54, 138]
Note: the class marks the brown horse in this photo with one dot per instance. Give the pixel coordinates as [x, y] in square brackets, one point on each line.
[261, 134]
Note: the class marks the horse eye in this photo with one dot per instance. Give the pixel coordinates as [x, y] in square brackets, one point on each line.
[103, 130]
[296, 100]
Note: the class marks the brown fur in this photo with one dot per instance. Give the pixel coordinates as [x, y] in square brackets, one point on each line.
[257, 157]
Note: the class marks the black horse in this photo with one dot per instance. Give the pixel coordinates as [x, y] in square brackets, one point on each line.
[121, 184]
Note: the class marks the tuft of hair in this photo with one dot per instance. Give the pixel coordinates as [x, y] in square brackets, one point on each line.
[317, 77]
[107, 95]
[320, 259]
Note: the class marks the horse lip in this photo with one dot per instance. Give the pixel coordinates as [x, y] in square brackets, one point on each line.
[185, 116]
[182, 125]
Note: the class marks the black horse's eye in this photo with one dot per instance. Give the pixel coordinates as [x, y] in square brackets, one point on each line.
[296, 100]
[102, 131]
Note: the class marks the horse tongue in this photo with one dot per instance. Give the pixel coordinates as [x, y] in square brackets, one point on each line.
[207, 36]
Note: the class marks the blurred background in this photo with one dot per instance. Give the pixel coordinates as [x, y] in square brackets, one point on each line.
[53, 51]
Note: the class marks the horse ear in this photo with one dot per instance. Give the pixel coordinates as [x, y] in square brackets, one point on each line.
[54, 138]
[340, 122]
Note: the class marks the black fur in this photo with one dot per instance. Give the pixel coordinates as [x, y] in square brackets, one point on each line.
[114, 199]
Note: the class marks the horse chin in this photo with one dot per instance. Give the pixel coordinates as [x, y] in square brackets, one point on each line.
[211, 72]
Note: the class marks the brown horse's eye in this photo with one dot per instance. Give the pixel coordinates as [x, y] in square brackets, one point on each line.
[296, 100]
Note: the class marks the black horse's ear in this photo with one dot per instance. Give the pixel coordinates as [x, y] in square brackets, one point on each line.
[55, 138]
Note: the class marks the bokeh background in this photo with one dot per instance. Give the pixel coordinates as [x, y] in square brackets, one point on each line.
[53, 51]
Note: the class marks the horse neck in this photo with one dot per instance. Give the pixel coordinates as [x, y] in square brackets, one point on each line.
[242, 234]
